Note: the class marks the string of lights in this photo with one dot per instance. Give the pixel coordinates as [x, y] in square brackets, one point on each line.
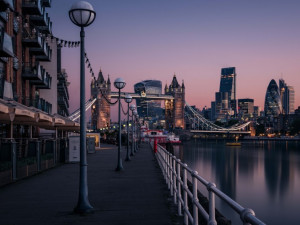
[125, 113]
[34, 30]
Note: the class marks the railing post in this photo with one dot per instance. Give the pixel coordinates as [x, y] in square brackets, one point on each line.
[171, 175]
[168, 169]
[195, 198]
[212, 216]
[185, 197]
[175, 190]
[244, 214]
[179, 188]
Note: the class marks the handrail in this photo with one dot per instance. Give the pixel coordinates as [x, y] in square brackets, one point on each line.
[175, 174]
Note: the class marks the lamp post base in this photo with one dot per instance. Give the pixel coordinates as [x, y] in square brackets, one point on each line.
[83, 208]
[128, 159]
[119, 168]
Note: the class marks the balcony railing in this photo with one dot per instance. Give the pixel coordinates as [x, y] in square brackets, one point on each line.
[31, 39]
[6, 46]
[39, 20]
[46, 84]
[40, 51]
[47, 26]
[47, 56]
[62, 102]
[32, 7]
[32, 72]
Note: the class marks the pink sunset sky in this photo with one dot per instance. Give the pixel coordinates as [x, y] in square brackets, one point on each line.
[139, 40]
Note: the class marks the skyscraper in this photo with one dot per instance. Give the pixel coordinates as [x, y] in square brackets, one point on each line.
[246, 108]
[228, 84]
[225, 99]
[273, 104]
[287, 97]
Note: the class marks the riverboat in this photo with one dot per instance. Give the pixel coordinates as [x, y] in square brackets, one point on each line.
[150, 135]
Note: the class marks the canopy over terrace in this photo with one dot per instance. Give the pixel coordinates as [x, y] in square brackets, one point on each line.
[12, 112]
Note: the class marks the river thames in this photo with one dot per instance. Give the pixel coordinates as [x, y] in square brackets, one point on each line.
[261, 175]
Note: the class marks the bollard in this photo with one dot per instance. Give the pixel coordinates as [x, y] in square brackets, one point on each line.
[155, 145]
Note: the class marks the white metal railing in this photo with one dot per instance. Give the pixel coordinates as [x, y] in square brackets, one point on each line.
[175, 173]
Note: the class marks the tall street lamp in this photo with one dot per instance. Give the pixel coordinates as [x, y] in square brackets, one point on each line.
[132, 108]
[82, 14]
[128, 99]
[119, 84]
[135, 113]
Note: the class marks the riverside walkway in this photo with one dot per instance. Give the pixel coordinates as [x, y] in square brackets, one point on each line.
[136, 196]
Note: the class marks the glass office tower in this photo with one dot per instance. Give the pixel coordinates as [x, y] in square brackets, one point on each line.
[149, 109]
[228, 84]
[272, 100]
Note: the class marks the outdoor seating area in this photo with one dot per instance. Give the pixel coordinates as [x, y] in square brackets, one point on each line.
[31, 140]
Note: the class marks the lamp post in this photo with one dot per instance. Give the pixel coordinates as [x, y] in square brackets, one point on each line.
[135, 113]
[82, 14]
[132, 108]
[119, 84]
[128, 99]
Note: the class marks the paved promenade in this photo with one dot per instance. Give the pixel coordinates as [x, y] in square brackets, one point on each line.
[136, 196]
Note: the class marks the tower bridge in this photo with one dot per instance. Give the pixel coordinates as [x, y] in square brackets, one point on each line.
[177, 111]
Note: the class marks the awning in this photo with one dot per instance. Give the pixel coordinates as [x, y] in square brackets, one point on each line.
[6, 112]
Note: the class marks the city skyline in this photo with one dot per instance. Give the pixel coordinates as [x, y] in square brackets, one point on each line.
[153, 40]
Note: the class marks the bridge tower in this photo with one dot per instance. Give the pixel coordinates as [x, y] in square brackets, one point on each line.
[100, 89]
[174, 109]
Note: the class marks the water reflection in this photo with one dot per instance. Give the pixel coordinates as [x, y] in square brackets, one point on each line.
[260, 174]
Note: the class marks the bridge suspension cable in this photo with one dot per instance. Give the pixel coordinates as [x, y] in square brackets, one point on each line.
[198, 119]
[76, 114]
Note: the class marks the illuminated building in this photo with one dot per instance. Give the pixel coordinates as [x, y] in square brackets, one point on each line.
[174, 109]
[100, 110]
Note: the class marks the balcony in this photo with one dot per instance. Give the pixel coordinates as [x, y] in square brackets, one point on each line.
[46, 84]
[31, 39]
[32, 72]
[47, 56]
[32, 7]
[46, 3]
[40, 51]
[4, 4]
[39, 20]
[47, 27]
[6, 47]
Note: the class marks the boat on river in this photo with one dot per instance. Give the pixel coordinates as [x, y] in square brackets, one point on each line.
[233, 143]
